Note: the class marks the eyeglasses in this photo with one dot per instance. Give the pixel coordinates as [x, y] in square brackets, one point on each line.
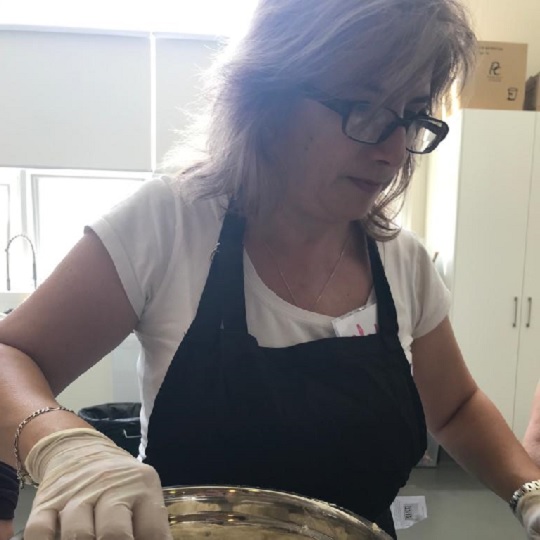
[365, 124]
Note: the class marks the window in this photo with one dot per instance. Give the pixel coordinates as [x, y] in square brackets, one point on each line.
[63, 203]
[8, 209]
[51, 209]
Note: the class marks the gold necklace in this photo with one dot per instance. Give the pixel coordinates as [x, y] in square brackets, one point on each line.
[332, 274]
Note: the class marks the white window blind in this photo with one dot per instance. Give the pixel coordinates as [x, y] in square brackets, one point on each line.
[76, 101]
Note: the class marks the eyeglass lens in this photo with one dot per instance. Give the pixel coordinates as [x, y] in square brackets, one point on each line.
[366, 125]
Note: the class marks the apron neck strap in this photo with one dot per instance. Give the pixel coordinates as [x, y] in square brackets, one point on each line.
[230, 263]
[224, 291]
[387, 315]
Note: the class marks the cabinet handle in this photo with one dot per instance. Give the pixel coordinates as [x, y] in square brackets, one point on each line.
[515, 311]
[529, 300]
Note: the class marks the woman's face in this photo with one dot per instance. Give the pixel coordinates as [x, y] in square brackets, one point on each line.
[331, 177]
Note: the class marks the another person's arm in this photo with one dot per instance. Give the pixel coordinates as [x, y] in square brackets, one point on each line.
[9, 492]
[531, 441]
[466, 422]
[6, 529]
[74, 319]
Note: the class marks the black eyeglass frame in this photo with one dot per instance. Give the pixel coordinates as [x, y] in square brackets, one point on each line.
[344, 108]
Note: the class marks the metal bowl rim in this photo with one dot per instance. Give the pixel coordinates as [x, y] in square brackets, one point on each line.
[329, 510]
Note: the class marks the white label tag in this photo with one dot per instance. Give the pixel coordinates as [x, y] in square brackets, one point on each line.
[407, 511]
[360, 322]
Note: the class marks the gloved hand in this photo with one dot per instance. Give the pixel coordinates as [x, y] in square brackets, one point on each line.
[528, 513]
[92, 489]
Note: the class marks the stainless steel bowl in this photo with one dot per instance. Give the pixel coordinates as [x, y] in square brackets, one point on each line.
[227, 513]
[238, 513]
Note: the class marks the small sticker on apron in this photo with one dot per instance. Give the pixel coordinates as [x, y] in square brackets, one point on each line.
[360, 322]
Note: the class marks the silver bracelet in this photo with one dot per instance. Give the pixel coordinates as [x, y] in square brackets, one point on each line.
[527, 487]
[22, 474]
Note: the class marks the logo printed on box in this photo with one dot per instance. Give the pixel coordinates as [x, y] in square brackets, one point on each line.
[513, 93]
[495, 70]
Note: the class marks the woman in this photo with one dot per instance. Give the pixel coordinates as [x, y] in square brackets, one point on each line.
[277, 307]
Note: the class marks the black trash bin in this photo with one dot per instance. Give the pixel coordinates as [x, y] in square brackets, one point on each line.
[118, 421]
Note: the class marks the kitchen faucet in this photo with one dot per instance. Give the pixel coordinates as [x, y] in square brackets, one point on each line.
[34, 270]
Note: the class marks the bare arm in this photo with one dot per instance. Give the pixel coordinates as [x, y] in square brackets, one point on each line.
[531, 441]
[463, 419]
[74, 319]
[6, 529]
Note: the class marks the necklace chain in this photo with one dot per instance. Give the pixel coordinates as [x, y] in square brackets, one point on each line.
[332, 274]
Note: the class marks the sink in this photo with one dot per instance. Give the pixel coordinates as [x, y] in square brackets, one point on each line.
[12, 299]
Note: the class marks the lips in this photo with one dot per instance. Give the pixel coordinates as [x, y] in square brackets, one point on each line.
[368, 186]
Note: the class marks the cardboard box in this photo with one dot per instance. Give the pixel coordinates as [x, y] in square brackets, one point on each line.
[499, 78]
[532, 93]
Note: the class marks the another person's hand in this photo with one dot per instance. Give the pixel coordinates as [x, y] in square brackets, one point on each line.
[6, 529]
[93, 489]
[528, 512]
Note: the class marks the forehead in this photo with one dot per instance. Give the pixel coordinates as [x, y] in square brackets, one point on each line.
[383, 83]
[418, 86]
[418, 91]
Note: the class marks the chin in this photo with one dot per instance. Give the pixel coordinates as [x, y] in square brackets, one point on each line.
[350, 213]
[355, 210]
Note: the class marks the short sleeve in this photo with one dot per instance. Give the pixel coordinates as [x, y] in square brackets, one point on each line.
[139, 234]
[432, 298]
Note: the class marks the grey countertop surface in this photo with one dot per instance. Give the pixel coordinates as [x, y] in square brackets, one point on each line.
[458, 506]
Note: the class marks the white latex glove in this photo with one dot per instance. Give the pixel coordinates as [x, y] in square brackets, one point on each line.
[92, 489]
[528, 513]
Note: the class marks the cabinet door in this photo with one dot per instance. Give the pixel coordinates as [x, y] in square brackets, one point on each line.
[494, 184]
[529, 343]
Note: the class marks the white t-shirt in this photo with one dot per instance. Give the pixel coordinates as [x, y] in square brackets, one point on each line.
[161, 246]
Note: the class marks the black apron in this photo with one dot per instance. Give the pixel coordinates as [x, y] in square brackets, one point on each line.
[338, 419]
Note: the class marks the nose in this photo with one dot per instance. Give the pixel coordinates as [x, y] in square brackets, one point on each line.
[392, 151]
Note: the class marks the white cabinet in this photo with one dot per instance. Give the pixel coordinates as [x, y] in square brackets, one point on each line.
[528, 372]
[483, 217]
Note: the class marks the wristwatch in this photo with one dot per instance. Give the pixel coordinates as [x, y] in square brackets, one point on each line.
[527, 487]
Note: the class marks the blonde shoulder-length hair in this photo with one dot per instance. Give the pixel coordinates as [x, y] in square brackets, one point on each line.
[336, 44]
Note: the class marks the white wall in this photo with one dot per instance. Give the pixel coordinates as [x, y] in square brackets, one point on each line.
[415, 202]
[113, 379]
[504, 20]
